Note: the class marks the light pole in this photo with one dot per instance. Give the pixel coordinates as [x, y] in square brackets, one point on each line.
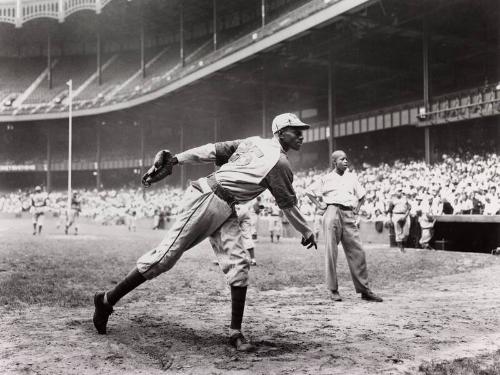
[70, 143]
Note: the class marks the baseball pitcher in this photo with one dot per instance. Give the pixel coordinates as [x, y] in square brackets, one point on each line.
[247, 168]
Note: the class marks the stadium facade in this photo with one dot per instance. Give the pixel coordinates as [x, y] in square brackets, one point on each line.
[381, 79]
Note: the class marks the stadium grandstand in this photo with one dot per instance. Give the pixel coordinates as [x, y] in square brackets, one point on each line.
[385, 80]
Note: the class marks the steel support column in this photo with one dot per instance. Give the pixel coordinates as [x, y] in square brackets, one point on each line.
[142, 149]
[264, 102]
[427, 144]
[425, 71]
[143, 57]
[49, 58]
[263, 12]
[331, 107]
[98, 53]
[99, 124]
[181, 144]
[48, 181]
[214, 25]
[216, 133]
[181, 34]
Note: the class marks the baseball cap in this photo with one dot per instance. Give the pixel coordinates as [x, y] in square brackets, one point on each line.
[287, 119]
[38, 188]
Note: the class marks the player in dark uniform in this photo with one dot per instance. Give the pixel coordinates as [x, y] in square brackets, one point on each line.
[248, 168]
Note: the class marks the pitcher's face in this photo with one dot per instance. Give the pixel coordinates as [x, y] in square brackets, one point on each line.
[291, 138]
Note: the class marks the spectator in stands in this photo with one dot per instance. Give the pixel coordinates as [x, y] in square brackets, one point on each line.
[474, 177]
[477, 202]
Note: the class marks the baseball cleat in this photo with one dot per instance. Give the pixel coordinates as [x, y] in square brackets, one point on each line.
[240, 343]
[370, 296]
[335, 296]
[101, 313]
[253, 262]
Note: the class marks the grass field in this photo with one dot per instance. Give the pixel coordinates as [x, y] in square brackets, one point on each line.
[440, 314]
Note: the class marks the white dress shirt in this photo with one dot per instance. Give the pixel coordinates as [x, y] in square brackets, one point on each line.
[338, 189]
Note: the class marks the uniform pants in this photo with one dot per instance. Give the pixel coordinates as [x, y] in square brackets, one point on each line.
[340, 226]
[401, 231]
[246, 229]
[203, 215]
[38, 218]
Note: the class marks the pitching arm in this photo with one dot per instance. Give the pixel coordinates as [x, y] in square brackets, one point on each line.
[279, 182]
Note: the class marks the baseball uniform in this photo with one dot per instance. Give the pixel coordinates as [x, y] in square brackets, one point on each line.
[74, 212]
[248, 167]
[401, 218]
[38, 207]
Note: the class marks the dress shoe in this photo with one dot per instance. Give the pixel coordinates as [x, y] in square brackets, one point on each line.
[370, 296]
[335, 296]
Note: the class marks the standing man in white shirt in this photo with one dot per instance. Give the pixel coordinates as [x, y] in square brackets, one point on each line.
[342, 195]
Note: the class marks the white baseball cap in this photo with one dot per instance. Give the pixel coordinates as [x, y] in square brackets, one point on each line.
[287, 119]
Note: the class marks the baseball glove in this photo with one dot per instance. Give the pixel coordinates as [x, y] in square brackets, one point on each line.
[161, 168]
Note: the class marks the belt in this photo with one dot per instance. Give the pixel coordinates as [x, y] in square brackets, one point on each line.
[341, 206]
[221, 192]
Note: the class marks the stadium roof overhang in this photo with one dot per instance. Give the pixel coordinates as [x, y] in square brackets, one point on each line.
[377, 48]
[260, 43]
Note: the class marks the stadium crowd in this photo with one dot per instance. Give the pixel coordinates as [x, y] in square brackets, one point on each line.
[454, 185]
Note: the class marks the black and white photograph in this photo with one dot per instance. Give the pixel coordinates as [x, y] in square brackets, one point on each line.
[250, 187]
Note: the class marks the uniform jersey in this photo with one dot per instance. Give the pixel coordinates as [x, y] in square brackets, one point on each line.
[39, 199]
[75, 204]
[250, 166]
[39, 202]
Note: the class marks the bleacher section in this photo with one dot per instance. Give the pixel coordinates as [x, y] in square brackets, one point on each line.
[128, 63]
[161, 71]
[121, 69]
[156, 68]
[16, 75]
[77, 68]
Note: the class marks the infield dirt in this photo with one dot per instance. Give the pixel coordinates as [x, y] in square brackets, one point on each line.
[437, 306]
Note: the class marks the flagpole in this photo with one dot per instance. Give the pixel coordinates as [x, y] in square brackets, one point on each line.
[70, 145]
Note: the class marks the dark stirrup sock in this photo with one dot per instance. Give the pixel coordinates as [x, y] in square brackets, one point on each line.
[238, 297]
[129, 283]
[252, 253]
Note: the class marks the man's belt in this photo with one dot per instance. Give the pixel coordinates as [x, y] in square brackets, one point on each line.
[341, 206]
[221, 192]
